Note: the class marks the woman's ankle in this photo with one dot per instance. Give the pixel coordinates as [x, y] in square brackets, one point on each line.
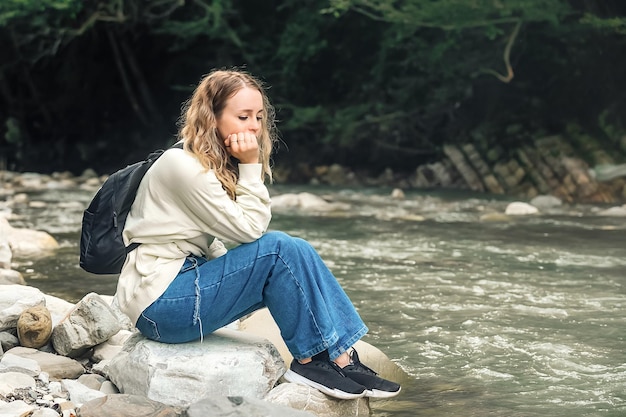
[343, 360]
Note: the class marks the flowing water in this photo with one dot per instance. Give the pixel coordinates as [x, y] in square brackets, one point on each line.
[518, 317]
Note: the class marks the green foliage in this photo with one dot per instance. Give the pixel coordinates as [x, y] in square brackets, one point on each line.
[37, 28]
[13, 135]
[201, 19]
[455, 14]
[300, 43]
[305, 116]
[612, 125]
[612, 24]
[366, 82]
[12, 10]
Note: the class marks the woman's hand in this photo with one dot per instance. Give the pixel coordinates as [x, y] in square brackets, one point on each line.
[244, 147]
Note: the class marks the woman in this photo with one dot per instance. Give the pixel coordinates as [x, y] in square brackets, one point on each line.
[181, 284]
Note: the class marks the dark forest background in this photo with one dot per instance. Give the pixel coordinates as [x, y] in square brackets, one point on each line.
[364, 83]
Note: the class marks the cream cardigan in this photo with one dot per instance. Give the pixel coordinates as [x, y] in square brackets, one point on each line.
[180, 209]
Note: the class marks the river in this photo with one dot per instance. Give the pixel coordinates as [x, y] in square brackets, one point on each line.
[524, 317]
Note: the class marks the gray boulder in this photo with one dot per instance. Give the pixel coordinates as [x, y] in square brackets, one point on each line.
[123, 405]
[89, 323]
[241, 407]
[27, 242]
[56, 366]
[301, 397]
[225, 363]
[10, 277]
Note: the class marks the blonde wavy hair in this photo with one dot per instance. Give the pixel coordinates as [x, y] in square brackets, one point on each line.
[198, 125]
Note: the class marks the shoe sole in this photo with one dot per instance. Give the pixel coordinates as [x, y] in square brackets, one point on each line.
[291, 376]
[374, 393]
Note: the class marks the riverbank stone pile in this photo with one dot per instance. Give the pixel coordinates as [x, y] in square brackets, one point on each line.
[87, 359]
[96, 365]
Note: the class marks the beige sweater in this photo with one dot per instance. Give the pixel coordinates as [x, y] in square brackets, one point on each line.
[182, 209]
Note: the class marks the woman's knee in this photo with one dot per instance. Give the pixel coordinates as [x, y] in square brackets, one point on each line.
[276, 237]
[282, 240]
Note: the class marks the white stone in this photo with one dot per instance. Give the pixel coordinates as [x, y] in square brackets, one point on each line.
[618, 211]
[88, 324]
[397, 194]
[45, 412]
[607, 172]
[37, 204]
[20, 198]
[101, 367]
[14, 363]
[112, 347]
[122, 318]
[79, 393]
[306, 201]
[92, 381]
[58, 307]
[10, 277]
[108, 387]
[56, 366]
[27, 242]
[12, 380]
[55, 387]
[44, 377]
[14, 299]
[546, 201]
[5, 252]
[518, 208]
[241, 406]
[227, 362]
[16, 408]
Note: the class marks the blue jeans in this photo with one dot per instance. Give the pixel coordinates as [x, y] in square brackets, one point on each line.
[277, 271]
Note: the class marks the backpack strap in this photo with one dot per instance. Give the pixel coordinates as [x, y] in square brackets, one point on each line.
[132, 247]
[135, 245]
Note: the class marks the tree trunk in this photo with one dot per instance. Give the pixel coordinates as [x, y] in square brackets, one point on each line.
[130, 94]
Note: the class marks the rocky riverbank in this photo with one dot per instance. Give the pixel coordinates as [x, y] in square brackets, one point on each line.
[86, 360]
[546, 166]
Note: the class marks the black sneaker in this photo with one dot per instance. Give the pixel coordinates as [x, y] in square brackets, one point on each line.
[377, 387]
[325, 375]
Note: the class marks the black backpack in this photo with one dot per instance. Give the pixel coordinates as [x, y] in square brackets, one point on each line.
[102, 249]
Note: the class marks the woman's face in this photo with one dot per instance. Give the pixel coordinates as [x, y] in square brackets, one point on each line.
[243, 113]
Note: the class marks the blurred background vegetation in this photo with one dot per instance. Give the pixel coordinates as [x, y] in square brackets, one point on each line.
[364, 83]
